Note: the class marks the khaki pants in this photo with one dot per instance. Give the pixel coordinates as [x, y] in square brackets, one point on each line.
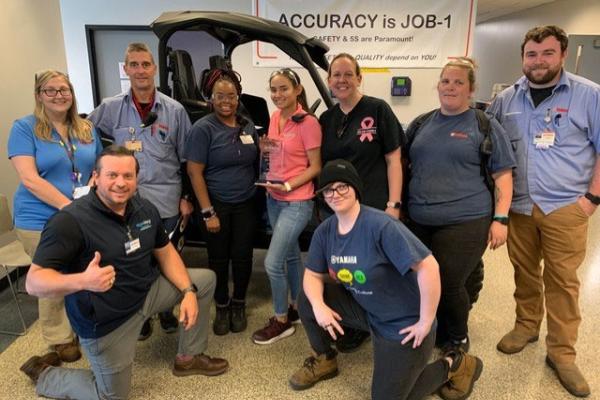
[558, 238]
[55, 325]
[111, 356]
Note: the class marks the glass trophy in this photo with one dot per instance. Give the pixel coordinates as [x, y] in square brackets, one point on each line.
[271, 161]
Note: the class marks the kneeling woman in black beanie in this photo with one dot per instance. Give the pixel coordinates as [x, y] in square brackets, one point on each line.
[366, 270]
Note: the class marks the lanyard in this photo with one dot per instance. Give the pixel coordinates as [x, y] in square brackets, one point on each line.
[70, 150]
[129, 235]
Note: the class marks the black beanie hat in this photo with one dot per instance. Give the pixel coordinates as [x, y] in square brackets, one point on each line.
[340, 171]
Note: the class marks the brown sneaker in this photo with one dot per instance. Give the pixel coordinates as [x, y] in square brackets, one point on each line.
[68, 352]
[201, 364]
[36, 365]
[315, 369]
[465, 371]
[570, 377]
[273, 332]
[515, 341]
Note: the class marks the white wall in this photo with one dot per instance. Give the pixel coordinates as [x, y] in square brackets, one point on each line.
[497, 46]
[76, 14]
[32, 40]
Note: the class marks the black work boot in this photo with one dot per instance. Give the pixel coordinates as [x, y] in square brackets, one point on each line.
[222, 318]
[239, 322]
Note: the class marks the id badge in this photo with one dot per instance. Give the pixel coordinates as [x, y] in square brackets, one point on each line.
[132, 246]
[544, 140]
[247, 139]
[80, 191]
[133, 145]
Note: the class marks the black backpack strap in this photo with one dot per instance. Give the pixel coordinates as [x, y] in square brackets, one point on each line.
[486, 148]
[413, 129]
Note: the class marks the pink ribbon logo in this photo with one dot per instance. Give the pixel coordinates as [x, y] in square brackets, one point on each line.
[367, 131]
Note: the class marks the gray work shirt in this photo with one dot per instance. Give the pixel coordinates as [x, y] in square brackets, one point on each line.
[163, 143]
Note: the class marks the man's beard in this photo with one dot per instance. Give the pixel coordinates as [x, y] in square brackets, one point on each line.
[548, 76]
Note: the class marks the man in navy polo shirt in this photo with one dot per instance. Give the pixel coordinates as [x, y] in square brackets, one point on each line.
[98, 252]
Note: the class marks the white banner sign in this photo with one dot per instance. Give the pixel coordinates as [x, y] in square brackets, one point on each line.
[379, 33]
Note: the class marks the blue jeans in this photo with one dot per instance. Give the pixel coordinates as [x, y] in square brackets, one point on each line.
[288, 219]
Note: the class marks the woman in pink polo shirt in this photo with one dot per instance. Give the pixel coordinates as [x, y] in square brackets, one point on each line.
[295, 160]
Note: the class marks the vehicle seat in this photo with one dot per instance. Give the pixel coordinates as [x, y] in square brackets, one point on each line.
[252, 107]
[255, 108]
[185, 90]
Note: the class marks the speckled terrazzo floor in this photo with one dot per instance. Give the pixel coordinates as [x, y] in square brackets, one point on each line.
[259, 372]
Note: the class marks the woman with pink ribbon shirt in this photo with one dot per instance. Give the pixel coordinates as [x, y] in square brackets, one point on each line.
[363, 130]
[293, 144]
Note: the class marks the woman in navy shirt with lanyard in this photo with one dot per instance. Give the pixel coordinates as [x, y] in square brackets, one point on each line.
[221, 153]
[53, 151]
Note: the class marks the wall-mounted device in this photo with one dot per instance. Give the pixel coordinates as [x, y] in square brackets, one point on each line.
[401, 86]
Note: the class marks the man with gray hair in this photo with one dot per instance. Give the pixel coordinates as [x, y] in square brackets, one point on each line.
[128, 119]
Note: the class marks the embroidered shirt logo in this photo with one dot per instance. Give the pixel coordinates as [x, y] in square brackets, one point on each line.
[142, 226]
[459, 135]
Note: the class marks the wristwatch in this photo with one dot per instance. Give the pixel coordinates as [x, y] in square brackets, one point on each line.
[593, 198]
[208, 213]
[503, 219]
[191, 288]
[393, 204]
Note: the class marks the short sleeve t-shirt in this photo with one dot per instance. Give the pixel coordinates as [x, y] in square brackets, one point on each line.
[447, 185]
[363, 137]
[373, 261]
[53, 164]
[229, 159]
[292, 160]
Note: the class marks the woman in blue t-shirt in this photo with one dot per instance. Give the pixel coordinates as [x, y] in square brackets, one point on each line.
[450, 205]
[366, 270]
[53, 151]
[221, 153]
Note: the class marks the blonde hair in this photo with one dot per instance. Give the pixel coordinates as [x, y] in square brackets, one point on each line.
[79, 128]
[465, 63]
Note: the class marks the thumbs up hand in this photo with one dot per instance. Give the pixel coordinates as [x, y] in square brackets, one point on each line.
[97, 278]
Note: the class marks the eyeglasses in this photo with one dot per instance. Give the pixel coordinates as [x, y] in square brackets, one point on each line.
[341, 189]
[340, 131]
[223, 97]
[64, 92]
[144, 65]
[287, 72]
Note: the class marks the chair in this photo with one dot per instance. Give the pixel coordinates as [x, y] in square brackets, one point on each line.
[12, 256]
